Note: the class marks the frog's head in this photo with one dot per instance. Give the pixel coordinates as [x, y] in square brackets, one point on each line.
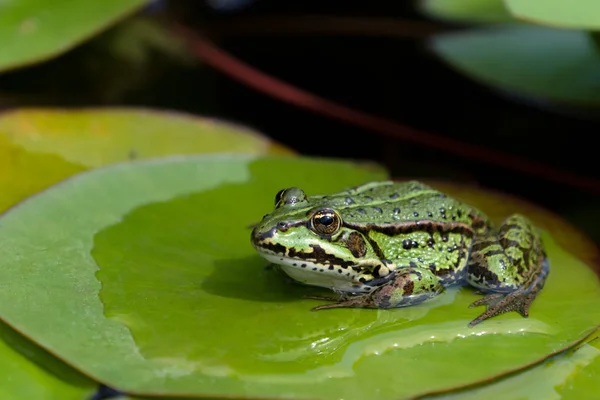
[308, 239]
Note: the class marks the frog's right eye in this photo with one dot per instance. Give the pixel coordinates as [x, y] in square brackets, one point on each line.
[326, 222]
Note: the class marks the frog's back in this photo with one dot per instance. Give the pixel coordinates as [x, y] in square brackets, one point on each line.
[391, 202]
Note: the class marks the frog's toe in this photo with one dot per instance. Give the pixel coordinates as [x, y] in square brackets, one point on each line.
[341, 302]
[326, 298]
[498, 303]
[489, 300]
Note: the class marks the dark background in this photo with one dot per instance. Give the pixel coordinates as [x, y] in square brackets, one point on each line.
[387, 74]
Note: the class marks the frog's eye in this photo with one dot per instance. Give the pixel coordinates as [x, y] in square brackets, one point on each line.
[289, 196]
[326, 222]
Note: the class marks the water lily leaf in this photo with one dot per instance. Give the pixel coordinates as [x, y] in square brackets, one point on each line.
[560, 66]
[39, 147]
[27, 372]
[546, 381]
[576, 14]
[62, 143]
[143, 277]
[467, 11]
[35, 30]
[583, 382]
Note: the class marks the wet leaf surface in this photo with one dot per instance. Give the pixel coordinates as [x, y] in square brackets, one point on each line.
[550, 380]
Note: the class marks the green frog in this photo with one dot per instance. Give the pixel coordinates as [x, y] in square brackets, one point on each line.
[397, 244]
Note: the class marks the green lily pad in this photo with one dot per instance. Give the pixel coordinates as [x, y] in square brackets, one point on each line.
[39, 147]
[575, 14]
[583, 383]
[62, 143]
[35, 30]
[467, 11]
[560, 66]
[27, 372]
[552, 379]
[144, 278]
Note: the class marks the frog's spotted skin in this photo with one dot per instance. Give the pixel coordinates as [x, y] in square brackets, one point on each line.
[387, 244]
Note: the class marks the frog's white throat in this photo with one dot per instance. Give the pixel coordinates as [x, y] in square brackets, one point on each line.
[310, 273]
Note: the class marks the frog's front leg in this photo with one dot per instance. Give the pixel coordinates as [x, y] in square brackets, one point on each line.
[511, 265]
[406, 287]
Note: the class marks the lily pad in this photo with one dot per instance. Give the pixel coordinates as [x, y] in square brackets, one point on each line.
[27, 372]
[62, 143]
[550, 380]
[560, 66]
[40, 147]
[575, 14]
[35, 30]
[583, 383]
[467, 11]
[144, 278]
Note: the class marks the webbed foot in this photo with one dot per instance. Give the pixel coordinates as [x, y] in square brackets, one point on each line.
[510, 266]
[500, 303]
[520, 300]
[408, 287]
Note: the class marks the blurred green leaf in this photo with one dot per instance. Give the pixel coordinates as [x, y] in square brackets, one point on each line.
[35, 30]
[577, 14]
[128, 58]
[64, 142]
[551, 64]
[143, 276]
[467, 11]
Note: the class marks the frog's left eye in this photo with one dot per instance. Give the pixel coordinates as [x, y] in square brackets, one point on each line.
[326, 222]
[289, 196]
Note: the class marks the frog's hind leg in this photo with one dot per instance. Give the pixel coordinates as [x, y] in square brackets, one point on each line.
[510, 265]
[406, 287]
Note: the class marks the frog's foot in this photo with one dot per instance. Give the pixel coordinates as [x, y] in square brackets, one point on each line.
[490, 300]
[520, 300]
[342, 302]
[500, 303]
[510, 265]
[407, 287]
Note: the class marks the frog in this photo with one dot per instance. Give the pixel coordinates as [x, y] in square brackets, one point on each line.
[391, 244]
